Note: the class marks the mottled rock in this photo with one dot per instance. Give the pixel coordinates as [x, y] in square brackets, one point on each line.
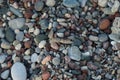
[56, 61]
[44, 24]
[103, 37]
[102, 3]
[42, 44]
[104, 24]
[50, 2]
[93, 38]
[115, 7]
[45, 75]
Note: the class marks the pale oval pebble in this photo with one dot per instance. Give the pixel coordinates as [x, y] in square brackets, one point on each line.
[42, 44]
[18, 71]
[5, 74]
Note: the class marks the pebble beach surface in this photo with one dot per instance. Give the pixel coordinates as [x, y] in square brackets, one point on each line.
[59, 39]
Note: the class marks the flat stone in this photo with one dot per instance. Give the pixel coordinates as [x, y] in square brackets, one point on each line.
[56, 61]
[42, 44]
[50, 2]
[93, 38]
[39, 5]
[2, 35]
[40, 37]
[74, 53]
[5, 45]
[16, 11]
[16, 23]
[19, 36]
[2, 58]
[44, 24]
[18, 71]
[102, 3]
[9, 35]
[34, 57]
[103, 37]
[5, 74]
[70, 3]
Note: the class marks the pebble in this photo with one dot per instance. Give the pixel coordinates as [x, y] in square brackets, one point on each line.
[46, 59]
[16, 11]
[2, 35]
[103, 37]
[39, 5]
[104, 24]
[34, 57]
[18, 46]
[115, 7]
[50, 2]
[42, 44]
[40, 37]
[74, 53]
[36, 31]
[27, 44]
[20, 36]
[2, 58]
[118, 71]
[5, 45]
[108, 76]
[93, 38]
[16, 23]
[102, 3]
[45, 75]
[27, 52]
[60, 34]
[83, 2]
[71, 3]
[115, 37]
[56, 61]
[5, 74]
[18, 71]
[44, 24]
[9, 35]
[54, 45]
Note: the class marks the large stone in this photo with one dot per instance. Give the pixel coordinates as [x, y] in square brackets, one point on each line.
[18, 71]
[74, 53]
[16, 23]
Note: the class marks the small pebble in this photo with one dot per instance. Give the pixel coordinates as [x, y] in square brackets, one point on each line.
[46, 59]
[50, 2]
[93, 38]
[45, 75]
[103, 37]
[5, 74]
[104, 24]
[2, 58]
[34, 57]
[56, 61]
[39, 5]
[42, 44]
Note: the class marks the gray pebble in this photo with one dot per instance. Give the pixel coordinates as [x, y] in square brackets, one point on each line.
[2, 58]
[39, 5]
[34, 57]
[10, 35]
[1, 33]
[5, 45]
[44, 24]
[16, 11]
[16, 23]
[93, 38]
[74, 53]
[103, 37]
[18, 71]
[5, 74]
[56, 61]
[50, 3]
[19, 36]
[70, 3]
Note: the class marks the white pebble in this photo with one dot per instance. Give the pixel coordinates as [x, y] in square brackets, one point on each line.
[42, 44]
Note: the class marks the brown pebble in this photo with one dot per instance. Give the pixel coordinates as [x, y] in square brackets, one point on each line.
[46, 59]
[54, 45]
[9, 64]
[27, 44]
[104, 24]
[28, 14]
[45, 75]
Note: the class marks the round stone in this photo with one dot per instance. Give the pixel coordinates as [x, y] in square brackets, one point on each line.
[103, 37]
[39, 5]
[56, 61]
[18, 71]
[19, 36]
[93, 38]
[50, 3]
[104, 24]
[34, 57]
